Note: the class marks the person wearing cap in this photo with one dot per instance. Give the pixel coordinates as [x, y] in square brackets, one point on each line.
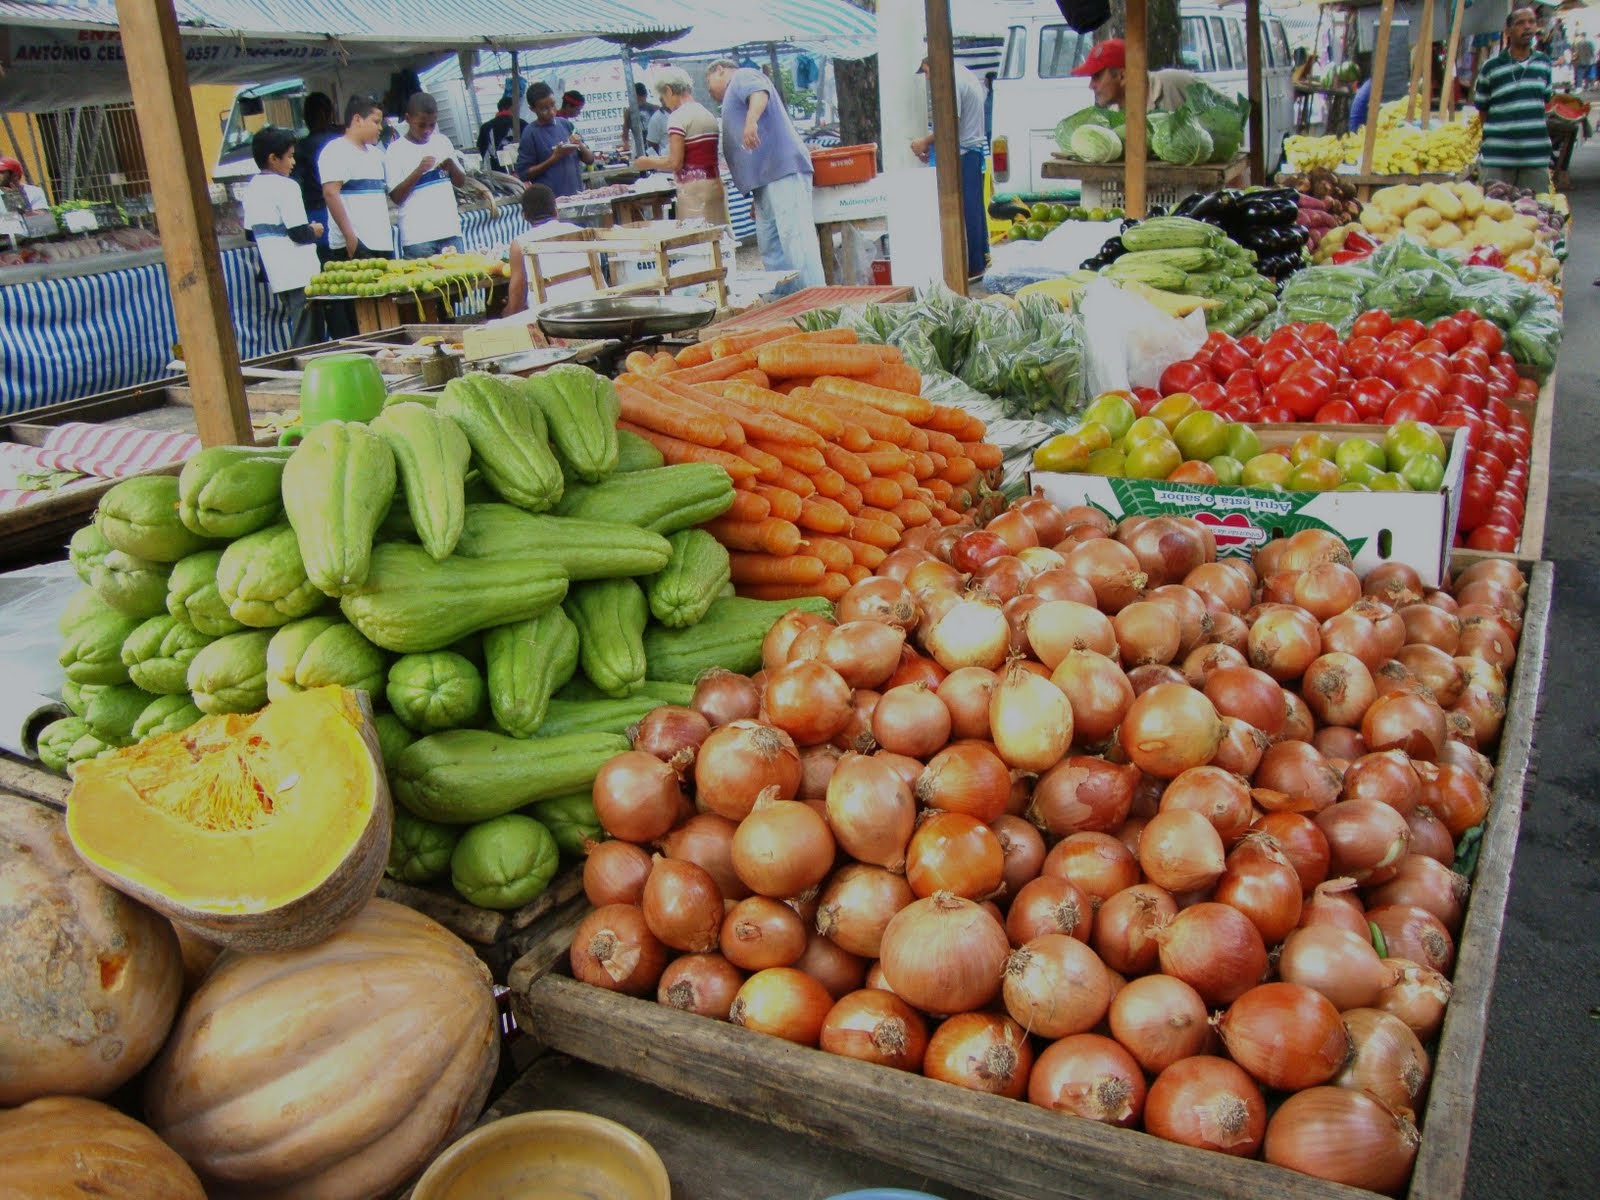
[1105, 68]
[571, 105]
[13, 179]
[970, 124]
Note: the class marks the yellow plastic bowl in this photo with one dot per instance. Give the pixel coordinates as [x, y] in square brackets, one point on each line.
[548, 1155]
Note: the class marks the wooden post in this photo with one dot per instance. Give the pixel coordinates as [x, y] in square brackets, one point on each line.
[160, 86]
[1380, 62]
[947, 145]
[1452, 50]
[1252, 55]
[777, 73]
[1426, 54]
[1135, 100]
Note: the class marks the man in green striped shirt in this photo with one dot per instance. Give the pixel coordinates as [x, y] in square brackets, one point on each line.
[1511, 93]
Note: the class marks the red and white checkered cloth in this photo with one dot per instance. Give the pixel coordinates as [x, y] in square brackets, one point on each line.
[99, 451]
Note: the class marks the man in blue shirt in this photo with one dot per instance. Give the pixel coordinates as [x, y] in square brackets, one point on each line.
[771, 165]
[550, 150]
[1360, 104]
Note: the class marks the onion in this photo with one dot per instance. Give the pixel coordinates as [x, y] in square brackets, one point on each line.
[1284, 642]
[882, 599]
[1501, 570]
[1327, 589]
[965, 694]
[783, 1002]
[1204, 659]
[1097, 691]
[1030, 718]
[1058, 583]
[1209, 1103]
[1221, 798]
[944, 954]
[1023, 849]
[1098, 863]
[1015, 530]
[1125, 925]
[1055, 986]
[1457, 797]
[1353, 634]
[637, 797]
[1484, 712]
[682, 905]
[899, 563]
[1301, 773]
[1002, 579]
[911, 720]
[759, 932]
[864, 653]
[909, 769]
[1474, 762]
[1435, 670]
[1181, 851]
[782, 848]
[876, 1027]
[1252, 696]
[1386, 1059]
[1218, 580]
[871, 811]
[1057, 627]
[1344, 1136]
[973, 633]
[778, 643]
[1167, 548]
[1048, 521]
[1169, 729]
[1418, 995]
[857, 905]
[614, 949]
[1429, 836]
[808, 700]
[1364, 836]
[817, 765]
[952, 852]
[857, 732]
[739, 761]
[984, 1052]
[834, 968]
[1490, 593]
[1040, 558]
[1414, 933]
[1431, 626]
[1403, 721]
[1214, 949]
[1335, 962]
[1338, 689]
[1241, 747]
[1082, 794]
[1194, 622]
[1395, 583]
[671, 733]
[1262, 884]
[1387, 776]
[1338, 742]
[1111, 569]
[614, 873]
[1147, 632]
[934, 602]
[1049, 905]
[1228, 630]
[1298, 723]
[967, 777]
[1160, 1020]
[1090, 1076]
[1427, 884]
[703, 984]
[1142, 679]
[1335, 903]
[706, 840]
[1301, 842]
[1287, 1036]
[1488, 638]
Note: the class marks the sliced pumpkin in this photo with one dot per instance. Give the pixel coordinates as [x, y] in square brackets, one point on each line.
[257, 832]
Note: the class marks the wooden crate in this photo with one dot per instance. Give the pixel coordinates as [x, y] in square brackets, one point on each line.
[1530, 547]
[1101, 185]
[657, 239]
[1016, 1151]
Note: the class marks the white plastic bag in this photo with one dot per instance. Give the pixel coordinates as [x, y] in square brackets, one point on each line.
[1128, 341]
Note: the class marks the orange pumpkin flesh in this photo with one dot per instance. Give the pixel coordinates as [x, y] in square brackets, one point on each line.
[334, 1072]
[89, 979]
[69, 1146]
[258, 832]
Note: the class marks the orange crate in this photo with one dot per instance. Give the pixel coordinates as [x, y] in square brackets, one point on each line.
[844, 164]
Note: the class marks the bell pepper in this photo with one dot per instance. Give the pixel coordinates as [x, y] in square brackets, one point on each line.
[1340, 257]
[1486, 256]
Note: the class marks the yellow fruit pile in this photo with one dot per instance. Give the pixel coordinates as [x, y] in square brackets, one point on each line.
[1400, 149]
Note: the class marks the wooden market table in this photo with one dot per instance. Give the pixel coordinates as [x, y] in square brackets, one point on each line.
[1530, 546]
[376, 313]
[1166, 183]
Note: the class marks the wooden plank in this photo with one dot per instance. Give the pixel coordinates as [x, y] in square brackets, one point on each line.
[1380, 63]
[22, 777]
[1257, 126]
[1530, 546]
[1452, 50]
[165, 111]
[1425, 56]
[1135, 101]
[947, 145]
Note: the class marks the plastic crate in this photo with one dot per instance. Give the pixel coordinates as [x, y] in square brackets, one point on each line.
[844, 164]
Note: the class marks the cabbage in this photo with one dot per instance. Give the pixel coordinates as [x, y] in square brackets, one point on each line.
[1180, 139]
[1067, 126]
[1096, 144]
[1226, 130]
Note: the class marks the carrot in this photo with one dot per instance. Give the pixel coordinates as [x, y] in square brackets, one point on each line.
[941, 488]
[673, 397]
[881, 493]
[866, 555]
[883, 517]
[798, 482]
[770, 536]
[754, 376]
[855, 438]
[820, 515]
[897, 377]
[785, 504]
[663, 364]
[817, 417]
[885, 462]
[768, 469]
[789, 386]
[907, 481]
[806, 459]
[676, 450]
[913, 512]
[788, 360]
[766, 568]
[819, 337]
[641, 407]
[986, 456]
[847, 464]
[879, 424]
[959, 470]
[755, 423]
[973, 431]
[717, 368]
[738, 343]
[850, 497]
[829, 483]
[885, 537]
[947, 418]
[915, 409]
[748, 506]
[855, 573]
[918, 441]
[639, 363]
[830, 550]
[832, 586]
[697, 355]
[948, 516]
[940, 442]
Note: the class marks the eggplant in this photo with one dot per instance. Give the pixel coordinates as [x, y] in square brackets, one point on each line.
[1112, 249]
[1186, 207]
[1097, 263]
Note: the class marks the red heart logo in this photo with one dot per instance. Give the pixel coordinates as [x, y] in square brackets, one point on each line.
[1234, 529]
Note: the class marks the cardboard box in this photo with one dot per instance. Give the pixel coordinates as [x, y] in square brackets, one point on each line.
[851, 201]
[1416, 528]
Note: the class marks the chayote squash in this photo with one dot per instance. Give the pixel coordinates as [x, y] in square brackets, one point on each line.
[135, 587]
[84, 604]
[139, 516]
[434, 691]
[166, 714]
[263, 582]
[504, 862]
[78, 696]
[635, 453]
[510, 441]
[337, 488]
[584, 549]
[431, 455]
[56, 741]
[610, 615]
[193, 598]
[112, 713]
[393, 737]
[581, 410]
[663, 500]
[419, 851]
[462, 776]
[319, 651]
[684, 589]
[158, 653]
[91, 652]
[571, 820]
[527, 662]
[411, 604]
[86, 747]
[87, 547]
[230, 675]
[229, 491]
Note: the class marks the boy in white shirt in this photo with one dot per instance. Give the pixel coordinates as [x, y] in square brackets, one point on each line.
[275, 215]
[422, 174]
[354, 183]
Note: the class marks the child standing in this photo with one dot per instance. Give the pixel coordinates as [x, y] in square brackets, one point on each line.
[275, 215]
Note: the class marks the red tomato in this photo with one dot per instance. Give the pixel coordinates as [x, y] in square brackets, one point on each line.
[1497, 413]
[1520, 421]
[1469, 422]
[1300, 396]
[1271, 365]
[1413, 330]
[1452, 331]
[1230, 358]
[1209, 394]
[1372, 323]
[1426, 371]
[1144, 399]
[1477, 499]
[1230, 411]
[1527, 390]
[1182, 377]
[1472, 360]
[1492, 537]
[1358, 348]
[1243, 382]
[1395, 369]
[1337, 412]
[1430, 346]
[1396, 342]
[1371, 396]
[1275, 414]
[1251, 344]
[1320, 332]
[1490, 464]
[1216, 338]
[1286, 338]
[1487, 334]
[1469, 389]
[1412, 404]
[1510, 504]
[1499, 443]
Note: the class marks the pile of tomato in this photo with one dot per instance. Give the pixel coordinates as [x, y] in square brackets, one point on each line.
[1452, 373]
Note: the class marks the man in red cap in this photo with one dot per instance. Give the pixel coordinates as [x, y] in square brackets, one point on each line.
[1104, 67]
[13, 178]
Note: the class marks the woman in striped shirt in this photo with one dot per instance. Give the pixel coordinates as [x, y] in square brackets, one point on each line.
[693, 136]
[1512, 90]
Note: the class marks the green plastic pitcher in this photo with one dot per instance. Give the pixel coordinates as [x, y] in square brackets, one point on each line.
[336, 387]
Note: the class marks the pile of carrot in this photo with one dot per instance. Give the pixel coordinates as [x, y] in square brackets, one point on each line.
[834, 452]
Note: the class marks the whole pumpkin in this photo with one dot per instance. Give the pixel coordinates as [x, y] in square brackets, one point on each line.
[332, 1072]
[89, 979]
[70, 1146]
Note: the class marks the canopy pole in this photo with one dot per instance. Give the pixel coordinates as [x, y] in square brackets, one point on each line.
[1252, 54]
[160, 85]
[777, 73]
[1425, 62]
[467, 60]
[947, 145]
[1380, 63]
[516, 99]
[635, 120]
[1135, 100]
[1448, 100]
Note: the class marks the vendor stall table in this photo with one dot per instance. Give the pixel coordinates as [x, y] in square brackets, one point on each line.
[1339, 99]
[1166, 183]
[792, 306]
[374, 313]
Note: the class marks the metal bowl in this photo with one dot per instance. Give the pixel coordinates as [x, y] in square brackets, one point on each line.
[626, 318]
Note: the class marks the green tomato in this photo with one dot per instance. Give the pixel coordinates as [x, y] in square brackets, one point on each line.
[1143, 430]
[1363, 473]
[1423, 473]
[1312, 445]
[1315, 475]
[1174, 408]
[1387, 481]
[1202, 434]
[1407, 439]
[1351, 485]
[1357, 451]
[1264, 469]
[1110, 462]
[1229, 469]
[1154, 459]
[1113, 410]
[1243, 443]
